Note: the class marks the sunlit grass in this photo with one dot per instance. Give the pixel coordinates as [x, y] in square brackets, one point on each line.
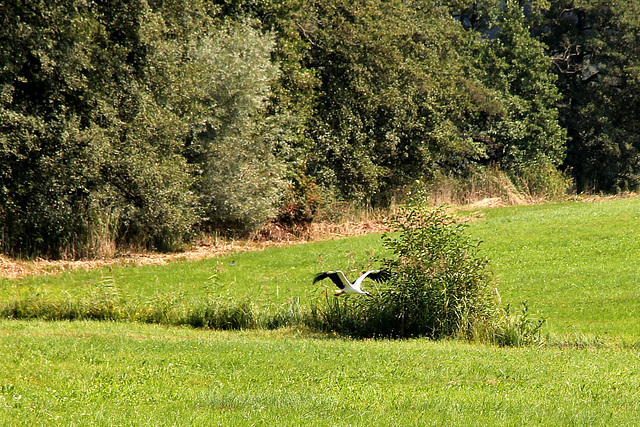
[578, 263]
[83, 373]
[270, 276]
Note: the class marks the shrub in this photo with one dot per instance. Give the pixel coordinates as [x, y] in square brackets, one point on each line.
[508, 330]
[437, 286]
[301, 202]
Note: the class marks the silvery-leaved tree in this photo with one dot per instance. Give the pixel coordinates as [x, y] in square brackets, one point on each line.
[239, 180]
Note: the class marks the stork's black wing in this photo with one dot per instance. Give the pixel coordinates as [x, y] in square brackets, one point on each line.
[379, 275]
[336, 277]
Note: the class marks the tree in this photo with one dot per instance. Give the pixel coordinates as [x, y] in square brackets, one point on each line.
[239, 179]
[526, 136]
[390, 110]
[86, 153]
[291, 102]
[475, 15]
[596, 52]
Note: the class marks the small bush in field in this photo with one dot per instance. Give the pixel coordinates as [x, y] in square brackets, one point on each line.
[517, 330]
[513, 330]
[437, 286]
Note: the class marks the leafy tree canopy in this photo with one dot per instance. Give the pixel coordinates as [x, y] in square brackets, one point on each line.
[144, 121]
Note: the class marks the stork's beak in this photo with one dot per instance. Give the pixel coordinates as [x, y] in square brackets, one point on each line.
[369, 295]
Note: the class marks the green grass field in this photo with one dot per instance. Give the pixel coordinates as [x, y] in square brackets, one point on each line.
[576, 263]
[271, 276]
[88, 373]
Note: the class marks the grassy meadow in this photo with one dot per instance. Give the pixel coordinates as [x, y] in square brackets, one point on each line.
[272, 276]
[577, 264]
[113, 373]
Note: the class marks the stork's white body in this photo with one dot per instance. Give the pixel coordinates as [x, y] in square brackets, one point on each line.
[343, 283]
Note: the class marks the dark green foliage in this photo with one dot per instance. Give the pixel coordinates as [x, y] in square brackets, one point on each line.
[526, 138]
[408, 93]
[390, 110]
[475, 15]
[88, 154]
[98, 104]
[596, 52]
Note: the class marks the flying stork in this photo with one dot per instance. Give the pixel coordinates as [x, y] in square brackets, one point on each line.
[345, 286]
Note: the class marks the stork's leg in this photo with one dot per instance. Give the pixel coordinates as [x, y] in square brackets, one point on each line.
[338, 293]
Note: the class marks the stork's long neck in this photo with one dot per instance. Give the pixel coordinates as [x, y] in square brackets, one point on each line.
[356, 285]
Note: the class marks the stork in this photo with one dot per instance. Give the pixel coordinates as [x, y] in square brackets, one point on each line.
[345, 286]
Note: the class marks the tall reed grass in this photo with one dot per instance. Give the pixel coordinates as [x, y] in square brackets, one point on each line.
[349, 316]
[511, 330]
[172, 308]
[531, 184]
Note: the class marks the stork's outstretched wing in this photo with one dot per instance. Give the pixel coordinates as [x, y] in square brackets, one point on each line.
[378, 275]
[336, 277]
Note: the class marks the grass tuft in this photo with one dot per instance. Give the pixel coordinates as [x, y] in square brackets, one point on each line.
[171, 308]
[512, 330]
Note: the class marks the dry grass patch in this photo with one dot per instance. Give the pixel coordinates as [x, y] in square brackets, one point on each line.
[270, 236]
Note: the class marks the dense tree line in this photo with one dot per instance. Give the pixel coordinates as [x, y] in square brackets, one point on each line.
[144, 121]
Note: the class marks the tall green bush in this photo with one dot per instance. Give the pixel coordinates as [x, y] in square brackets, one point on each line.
[527, 135]
[438, 285]
[239, 179]
[89, 151]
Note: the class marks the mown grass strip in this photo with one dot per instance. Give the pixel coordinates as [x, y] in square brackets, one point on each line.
[112, 373]
[577, 263]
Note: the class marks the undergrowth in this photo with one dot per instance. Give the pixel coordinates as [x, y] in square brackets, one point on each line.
[532, 184]
[171, 308]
